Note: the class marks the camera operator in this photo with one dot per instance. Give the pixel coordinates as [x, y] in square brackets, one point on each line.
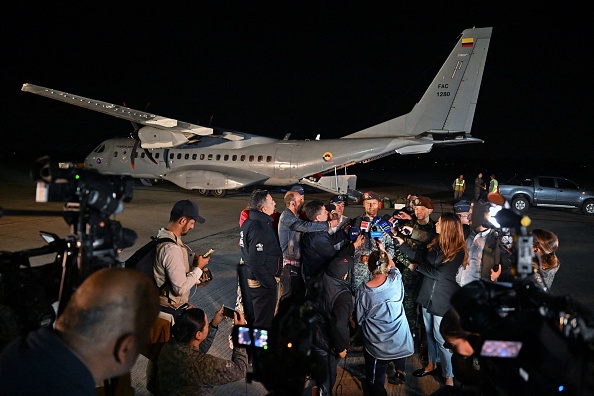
[98, 336]
[465, 362]
[488, 255]
[185, 368]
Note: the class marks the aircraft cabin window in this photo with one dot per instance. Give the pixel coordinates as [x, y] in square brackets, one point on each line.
[218, 157]
[269, 158]
[178, 155]
[210, 157]
[171, 156]
[187, 156]
[115, 154]
[194, 156]
[136, 154]
[226, 157]
[260, 158]
[251, 158]
[234, 158]
[201, 157]
[156, 155]
[243, 157]
[142, 155]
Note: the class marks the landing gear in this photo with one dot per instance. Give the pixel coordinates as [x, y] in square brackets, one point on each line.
[204, 192]
[219, 193]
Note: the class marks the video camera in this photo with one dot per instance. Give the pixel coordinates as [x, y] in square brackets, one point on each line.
[529, 342]
[27, 292]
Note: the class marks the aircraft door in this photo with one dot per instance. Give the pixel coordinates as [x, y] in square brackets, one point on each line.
[284, 165]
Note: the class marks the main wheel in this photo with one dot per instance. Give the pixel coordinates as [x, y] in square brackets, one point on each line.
[520, 204]
[219, 193]
[588, 207]
[204, 192]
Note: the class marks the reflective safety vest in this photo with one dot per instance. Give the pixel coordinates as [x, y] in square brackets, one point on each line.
[495, 185]
[459, 184]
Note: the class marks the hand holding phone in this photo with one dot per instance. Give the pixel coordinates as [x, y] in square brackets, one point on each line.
[228, 312]
[208, 253]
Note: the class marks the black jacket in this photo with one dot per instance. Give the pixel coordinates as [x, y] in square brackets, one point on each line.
[317, 249]
[439, 278]
[260, 249]
[335, 304]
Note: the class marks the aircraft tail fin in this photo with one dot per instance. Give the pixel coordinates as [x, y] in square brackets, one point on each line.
[446, 110]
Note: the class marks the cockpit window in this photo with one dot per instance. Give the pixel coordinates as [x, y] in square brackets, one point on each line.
[99, 149]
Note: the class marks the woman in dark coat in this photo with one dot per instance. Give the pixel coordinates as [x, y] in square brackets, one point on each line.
[439, 267]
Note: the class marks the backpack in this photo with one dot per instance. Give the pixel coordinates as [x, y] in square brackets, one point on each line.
[144, 258]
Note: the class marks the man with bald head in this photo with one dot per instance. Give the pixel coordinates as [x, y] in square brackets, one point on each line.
[98, 336]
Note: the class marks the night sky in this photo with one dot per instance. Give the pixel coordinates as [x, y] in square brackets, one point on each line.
[307, 68]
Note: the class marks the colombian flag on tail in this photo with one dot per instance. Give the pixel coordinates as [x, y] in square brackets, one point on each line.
[467, 42]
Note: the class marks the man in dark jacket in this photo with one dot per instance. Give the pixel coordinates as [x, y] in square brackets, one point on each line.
[318, 247]
[261, 253]
[331, 329]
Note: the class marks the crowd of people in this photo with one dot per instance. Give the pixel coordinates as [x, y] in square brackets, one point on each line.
[388, 289]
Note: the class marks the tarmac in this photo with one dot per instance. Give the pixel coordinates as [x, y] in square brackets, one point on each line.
[149, 210]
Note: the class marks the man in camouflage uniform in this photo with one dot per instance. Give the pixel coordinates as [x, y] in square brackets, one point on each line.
[361, 273]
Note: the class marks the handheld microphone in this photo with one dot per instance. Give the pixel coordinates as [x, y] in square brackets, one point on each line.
[365, 224]
[383, 225]
[354, 233]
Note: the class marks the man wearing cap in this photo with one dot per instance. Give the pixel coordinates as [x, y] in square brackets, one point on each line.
[330, 334]
[462, 209]
[290, 228]
[370, 233]
[172, 264]
[339, 201]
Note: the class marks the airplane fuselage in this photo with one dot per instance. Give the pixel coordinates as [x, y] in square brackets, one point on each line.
[227, 166]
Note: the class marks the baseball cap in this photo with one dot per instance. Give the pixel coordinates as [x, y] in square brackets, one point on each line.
[187, 208]
[341, 198]
[298, 188]
[462, 206]
[423, 201]
[370, 195]
[339, 266]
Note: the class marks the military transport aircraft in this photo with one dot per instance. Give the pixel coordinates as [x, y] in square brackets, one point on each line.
[213, 160]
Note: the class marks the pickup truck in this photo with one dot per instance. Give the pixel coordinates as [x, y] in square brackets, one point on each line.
[523, 191]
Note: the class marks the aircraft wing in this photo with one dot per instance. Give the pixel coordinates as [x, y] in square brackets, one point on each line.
[158, 131]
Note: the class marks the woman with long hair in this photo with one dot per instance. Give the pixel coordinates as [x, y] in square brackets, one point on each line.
[439, 266]
[544, 246]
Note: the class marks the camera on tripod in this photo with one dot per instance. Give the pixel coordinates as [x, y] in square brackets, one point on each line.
[28, 293]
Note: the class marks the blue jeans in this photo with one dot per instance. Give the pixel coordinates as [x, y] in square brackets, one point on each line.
[437, 353]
